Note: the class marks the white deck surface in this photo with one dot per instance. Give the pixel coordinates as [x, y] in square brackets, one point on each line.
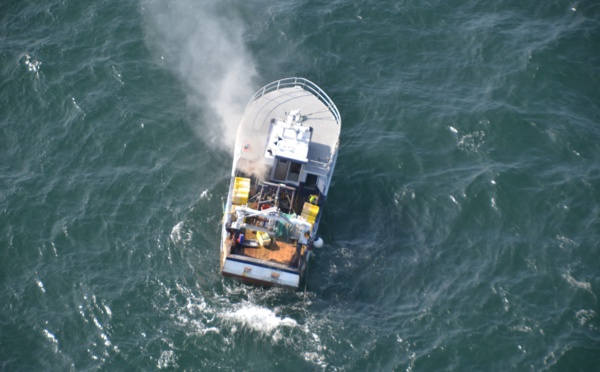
[277, 104]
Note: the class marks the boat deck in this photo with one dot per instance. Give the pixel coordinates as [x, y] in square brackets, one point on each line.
[277, 251]
[259, 115]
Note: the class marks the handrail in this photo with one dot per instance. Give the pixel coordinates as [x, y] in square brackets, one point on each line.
[304, 84]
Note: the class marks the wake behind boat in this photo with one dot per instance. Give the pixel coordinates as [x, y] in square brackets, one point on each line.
[285, 152]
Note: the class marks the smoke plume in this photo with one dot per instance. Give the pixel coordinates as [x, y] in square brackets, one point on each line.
[202, 42]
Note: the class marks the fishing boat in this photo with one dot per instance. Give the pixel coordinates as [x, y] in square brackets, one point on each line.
[286, 148]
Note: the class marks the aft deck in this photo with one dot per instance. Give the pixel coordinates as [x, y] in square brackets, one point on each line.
[277, 251]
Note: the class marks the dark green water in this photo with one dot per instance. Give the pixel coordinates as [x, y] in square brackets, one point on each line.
[462, 229]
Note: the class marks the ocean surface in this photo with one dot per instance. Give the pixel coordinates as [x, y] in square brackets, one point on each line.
[462, 230]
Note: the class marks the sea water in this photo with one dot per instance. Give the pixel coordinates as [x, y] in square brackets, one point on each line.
[462, 227]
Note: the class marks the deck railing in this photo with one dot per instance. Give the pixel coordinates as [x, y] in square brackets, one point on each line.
[304, 84]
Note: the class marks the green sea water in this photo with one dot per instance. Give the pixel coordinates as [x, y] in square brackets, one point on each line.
[462, 228]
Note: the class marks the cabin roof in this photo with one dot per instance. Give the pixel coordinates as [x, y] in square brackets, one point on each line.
[264, 122]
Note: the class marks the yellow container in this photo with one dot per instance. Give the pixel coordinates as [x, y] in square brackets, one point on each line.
[310, 212]
[241, 190]
[263, 238]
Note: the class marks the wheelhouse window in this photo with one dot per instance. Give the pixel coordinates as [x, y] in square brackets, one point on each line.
[281, 169]
[294, 172]
[287, 170]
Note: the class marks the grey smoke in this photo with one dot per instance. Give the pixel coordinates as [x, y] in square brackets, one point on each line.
[202, 42]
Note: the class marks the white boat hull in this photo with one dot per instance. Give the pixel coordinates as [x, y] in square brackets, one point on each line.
[286, 149]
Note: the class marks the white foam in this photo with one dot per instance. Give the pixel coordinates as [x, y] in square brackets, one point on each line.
[178, 235]
[211, 330]
[107, 310]
[50, 336]
[176, 232]
[566, 243]
[576, 283]
[584, 316]
[105, 338]
[97, 323]
[76, 105]
[32, 64]
[41, 285]
[259, 318]
[167, 360]
[472, 141]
